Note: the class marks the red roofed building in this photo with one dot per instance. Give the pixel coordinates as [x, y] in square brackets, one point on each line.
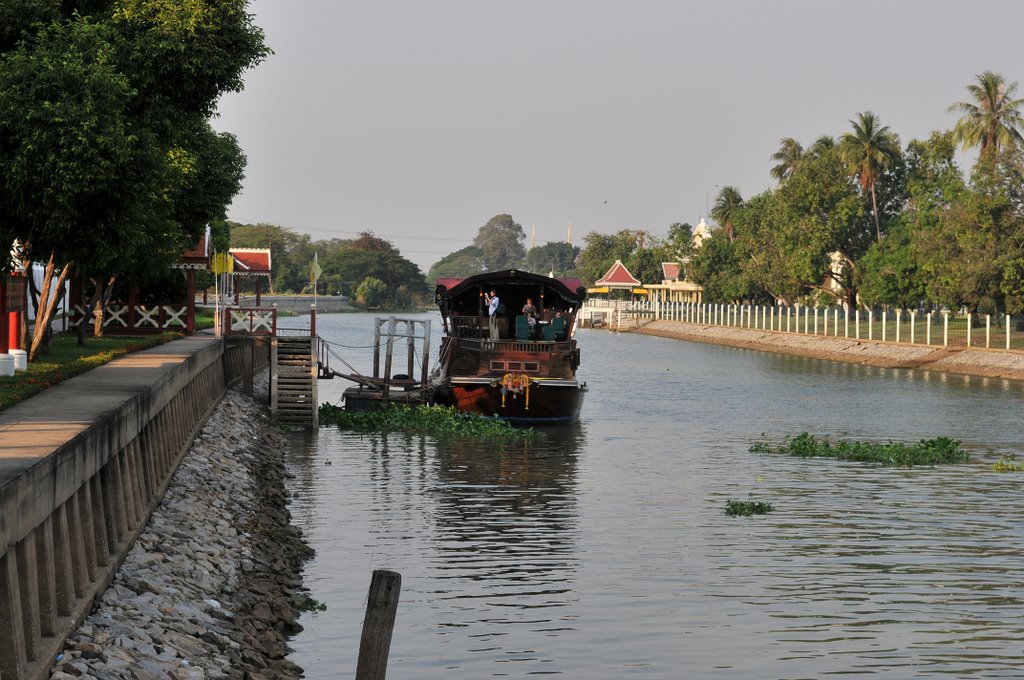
[618, 276]
[673, 286]
[254, 263]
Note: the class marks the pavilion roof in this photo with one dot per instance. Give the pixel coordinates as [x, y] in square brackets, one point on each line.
[251, 261]
[669, 271]
[618, 276]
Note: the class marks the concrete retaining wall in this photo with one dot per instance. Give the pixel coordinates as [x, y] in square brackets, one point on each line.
[82, 466]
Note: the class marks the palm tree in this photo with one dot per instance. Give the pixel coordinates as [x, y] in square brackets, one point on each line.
[728, 201]
[867, 151]
[789, 155]
[822, 144]
[993, 119]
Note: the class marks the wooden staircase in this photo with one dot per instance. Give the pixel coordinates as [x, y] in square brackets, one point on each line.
[293, 398]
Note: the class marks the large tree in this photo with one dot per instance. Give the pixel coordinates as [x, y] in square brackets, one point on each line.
[993, 119]
[868, 151]
[501, 242]
[461, 264]
[556, 257]
[107, 157]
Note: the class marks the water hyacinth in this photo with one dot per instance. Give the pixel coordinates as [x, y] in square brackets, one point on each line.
[439, 421]
[937, 451]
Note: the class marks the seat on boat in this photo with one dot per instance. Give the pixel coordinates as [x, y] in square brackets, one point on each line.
[558, 328]
[522, 328]
[549, 332]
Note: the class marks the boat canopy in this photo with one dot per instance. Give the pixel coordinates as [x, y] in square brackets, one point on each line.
[464, 297]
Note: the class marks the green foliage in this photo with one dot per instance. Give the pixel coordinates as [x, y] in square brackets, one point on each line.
[108, 160]
[937, 451]
[557, 256]
[993, 119]
[1008, 464]
[747, 508]
[501, 243]
[66, 359]
[438, 421]
[461, 264]
[371, 292]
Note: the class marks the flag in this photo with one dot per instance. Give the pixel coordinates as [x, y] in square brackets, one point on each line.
[222, 263]
[314, 270]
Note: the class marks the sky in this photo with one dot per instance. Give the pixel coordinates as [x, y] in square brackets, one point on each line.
[419, 121]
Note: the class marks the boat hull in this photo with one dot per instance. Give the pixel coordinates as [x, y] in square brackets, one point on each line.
[556, 403]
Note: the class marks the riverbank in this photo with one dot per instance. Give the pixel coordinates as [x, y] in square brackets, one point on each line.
[212, 587]
[960, 360]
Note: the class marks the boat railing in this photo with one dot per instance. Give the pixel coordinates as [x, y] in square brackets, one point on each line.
[510, 345]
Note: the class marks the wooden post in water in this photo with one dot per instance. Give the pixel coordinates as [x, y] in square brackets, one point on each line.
[381, 608]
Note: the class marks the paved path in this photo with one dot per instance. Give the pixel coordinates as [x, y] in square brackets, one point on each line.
[34, 429]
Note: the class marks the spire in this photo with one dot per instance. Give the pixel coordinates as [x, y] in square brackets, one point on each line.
[533, 237]
[568, 238]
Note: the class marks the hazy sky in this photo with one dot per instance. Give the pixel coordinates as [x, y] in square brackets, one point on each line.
[420, 120]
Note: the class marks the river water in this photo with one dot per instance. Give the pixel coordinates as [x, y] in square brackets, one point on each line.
[602, 550]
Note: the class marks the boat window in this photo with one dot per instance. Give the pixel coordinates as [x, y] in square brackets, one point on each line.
[531, 367]
[515, 365]
[497, 365]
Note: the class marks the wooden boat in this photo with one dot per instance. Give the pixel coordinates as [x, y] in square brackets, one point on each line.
[527, 375]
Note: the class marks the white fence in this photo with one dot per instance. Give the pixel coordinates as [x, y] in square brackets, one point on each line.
[940, 328]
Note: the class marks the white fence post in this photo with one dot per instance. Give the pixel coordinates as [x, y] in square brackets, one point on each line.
[928, 329]
[1007, 331]
[969, 329]
[885, 317]
[816, 322]
[789, 311]
[899, 313]
[856, 321]
[871, 324]
[913, 314]
[945, 329]
[988, 331]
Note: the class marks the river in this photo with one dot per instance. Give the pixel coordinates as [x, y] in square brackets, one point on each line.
[603, 551]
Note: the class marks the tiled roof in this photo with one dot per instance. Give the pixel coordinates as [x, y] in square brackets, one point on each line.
[670, 271]
[251, 260]
[618, 275]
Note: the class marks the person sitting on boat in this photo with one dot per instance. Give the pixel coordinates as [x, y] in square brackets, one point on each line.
[492, 301]
[530, 312]
[559, 326]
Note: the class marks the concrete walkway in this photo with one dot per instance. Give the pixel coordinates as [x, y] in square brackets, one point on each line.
[991, 363]
[34, 429]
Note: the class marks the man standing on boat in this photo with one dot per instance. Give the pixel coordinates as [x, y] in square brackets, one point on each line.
[492, 303]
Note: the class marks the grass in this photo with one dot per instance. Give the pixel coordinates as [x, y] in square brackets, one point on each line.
[66, 360]
[747, 508]
[439, 421]
[938, 451]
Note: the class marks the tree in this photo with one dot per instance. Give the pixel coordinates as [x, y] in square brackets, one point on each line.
[601, 251]
[868, 151]
[107, 157]
[558, 257]
[993, 119]
[789, 155]
[501, 243]
[717, 267]
[371, 292]
[726, 205]
[461, 264]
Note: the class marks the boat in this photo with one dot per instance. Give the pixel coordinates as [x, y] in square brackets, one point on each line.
[528, 374]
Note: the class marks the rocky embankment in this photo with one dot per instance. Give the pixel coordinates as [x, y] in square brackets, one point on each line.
[212, 587]
[962, 360]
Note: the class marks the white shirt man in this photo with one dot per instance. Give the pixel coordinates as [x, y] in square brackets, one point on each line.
[492, 314]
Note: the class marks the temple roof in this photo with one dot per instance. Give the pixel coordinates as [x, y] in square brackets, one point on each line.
[617, 276]
[669, 271]
[251, 261]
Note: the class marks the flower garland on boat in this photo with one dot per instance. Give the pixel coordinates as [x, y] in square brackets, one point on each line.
[515, 383]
